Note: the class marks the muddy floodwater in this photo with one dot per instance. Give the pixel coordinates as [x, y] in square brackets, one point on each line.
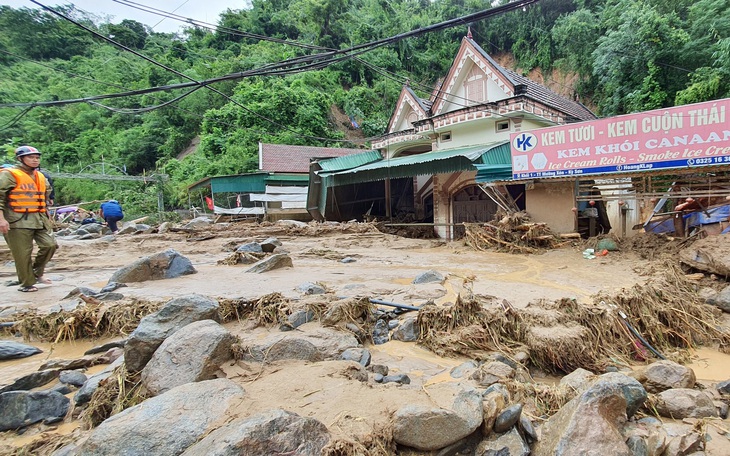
[384, 268]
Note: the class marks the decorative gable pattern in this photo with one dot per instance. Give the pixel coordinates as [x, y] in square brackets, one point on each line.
[465, 60]
[408, 104]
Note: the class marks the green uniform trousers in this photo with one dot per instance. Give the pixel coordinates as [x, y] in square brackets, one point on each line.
[20, 241]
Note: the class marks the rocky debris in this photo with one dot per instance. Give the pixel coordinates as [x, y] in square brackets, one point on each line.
[83, 395]
[492, 372]
[309, 288]
[507, 418]
[157, 426]
[720, 300]
[198, 223]
[271, 432]
[429, 277]
[509, 443]
[359, 355]
[72, 377]
[578, 380]
[156, 327]
[313, 344]
[592, 422]
[13, 350]
[192, 354]
[646, 436]
[682, 439]
[432, 428]
[679, 403]
[406, 330]
[663, 375]
[270, 245]
[723, 387]
[105, 347]
[164, 265]
[275, 261]
[297, 319]
[22, 408]
[30, 381]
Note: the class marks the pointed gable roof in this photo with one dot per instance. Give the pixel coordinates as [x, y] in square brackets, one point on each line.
[511, 83]
[408, 102]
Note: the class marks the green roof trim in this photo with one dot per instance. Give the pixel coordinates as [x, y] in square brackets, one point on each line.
[495, 166]
[426, 164]
[288, 178]
[349, 161]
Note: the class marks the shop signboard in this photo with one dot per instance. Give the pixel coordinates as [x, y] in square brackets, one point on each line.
[680, 137]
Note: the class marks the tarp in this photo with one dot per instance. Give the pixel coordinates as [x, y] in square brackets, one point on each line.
[239, 210]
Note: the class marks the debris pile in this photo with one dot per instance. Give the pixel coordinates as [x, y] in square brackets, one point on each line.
[513, 233]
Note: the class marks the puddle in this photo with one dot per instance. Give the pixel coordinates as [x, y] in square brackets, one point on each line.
[710, 365]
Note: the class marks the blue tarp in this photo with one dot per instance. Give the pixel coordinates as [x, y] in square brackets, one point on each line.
[717, 214]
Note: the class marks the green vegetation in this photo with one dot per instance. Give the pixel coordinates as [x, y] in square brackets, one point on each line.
[627, 56]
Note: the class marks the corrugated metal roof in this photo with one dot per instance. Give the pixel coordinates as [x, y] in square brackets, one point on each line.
[349, 161]
[429, 163]
[288, 178]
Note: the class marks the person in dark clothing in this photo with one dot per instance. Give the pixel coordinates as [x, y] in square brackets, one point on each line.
[111, 212]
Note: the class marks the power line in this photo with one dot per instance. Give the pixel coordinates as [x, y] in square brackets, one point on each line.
[289, 66]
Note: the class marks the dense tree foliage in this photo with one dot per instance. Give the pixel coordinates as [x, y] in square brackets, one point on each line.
[627, 56]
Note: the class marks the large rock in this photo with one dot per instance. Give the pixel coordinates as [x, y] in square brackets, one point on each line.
[720, 300]
[191, 355]
[509, 443]
[13, 350]
[164, 265]
[665, 374]
[271, 432]
[275, 261]
[156, 327]
[431, 428]
[166, 424]
[32, 380]
[22, 408]
[590, 424]
[680, 403]
[310, 343]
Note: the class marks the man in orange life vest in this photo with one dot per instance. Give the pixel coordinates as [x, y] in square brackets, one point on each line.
[24, 192]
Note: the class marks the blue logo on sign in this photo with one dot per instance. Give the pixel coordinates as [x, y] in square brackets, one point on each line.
[525, 142]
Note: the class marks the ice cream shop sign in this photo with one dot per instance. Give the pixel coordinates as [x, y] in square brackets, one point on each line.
[679, 137]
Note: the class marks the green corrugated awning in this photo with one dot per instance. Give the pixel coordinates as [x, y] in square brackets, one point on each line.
[426, 164]
[495, 166]
[349, 161]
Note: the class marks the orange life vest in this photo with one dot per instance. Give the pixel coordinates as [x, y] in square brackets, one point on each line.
[29, 194]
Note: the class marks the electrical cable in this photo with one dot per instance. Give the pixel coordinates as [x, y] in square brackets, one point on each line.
[284, 67]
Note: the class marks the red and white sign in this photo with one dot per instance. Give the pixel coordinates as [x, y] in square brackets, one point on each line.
[678, 137]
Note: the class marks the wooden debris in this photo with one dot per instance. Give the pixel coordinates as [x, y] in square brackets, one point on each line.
[512, 233]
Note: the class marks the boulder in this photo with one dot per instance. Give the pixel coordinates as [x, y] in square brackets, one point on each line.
[431, 428]
[165, 424]
[591, 423]
[191, 355]
[13, 350]
[157, 326]
[680, 403]
[164, 265]
[665, 374]
[272, 432]
[22, 408]
[275, 261]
